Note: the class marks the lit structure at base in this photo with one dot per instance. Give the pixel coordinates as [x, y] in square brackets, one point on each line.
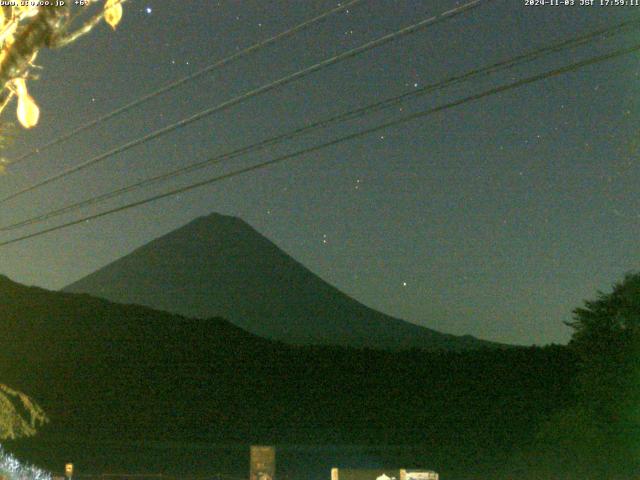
[382, 474]
[262, 463]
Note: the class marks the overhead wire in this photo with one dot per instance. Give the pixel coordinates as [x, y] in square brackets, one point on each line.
[405, 119]
[189, 78]
[413, 28]
[350, 115]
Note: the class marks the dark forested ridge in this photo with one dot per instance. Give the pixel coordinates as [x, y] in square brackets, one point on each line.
[220, 266]
[124, 372]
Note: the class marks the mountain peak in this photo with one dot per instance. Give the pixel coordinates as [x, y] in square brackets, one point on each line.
[218, 265]
[211, 226]
[216, 217]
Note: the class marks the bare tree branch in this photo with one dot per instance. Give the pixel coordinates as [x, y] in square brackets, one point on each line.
[25, 30]
[68, 38]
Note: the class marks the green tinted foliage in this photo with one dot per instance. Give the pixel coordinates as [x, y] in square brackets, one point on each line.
[597, 437]
[19, 415]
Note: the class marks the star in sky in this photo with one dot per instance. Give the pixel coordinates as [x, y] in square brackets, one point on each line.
[536, 151]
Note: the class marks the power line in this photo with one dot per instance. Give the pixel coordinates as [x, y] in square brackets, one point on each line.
[178, 83]
[258, 91]
[350, 115]
[353, 136]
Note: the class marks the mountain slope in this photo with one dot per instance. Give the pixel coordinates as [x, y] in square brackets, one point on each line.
[106, 372]
[100, 368]
[220, 266]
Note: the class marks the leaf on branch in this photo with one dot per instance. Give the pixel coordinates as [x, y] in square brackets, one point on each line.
[28, 111]
[113, 12]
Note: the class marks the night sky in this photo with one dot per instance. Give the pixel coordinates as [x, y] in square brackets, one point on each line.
[495, 218]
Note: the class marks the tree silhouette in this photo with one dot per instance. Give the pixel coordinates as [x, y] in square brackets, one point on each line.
[607, 341]
[599, 435]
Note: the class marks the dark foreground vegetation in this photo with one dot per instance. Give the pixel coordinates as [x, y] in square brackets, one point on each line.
[118, 375]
